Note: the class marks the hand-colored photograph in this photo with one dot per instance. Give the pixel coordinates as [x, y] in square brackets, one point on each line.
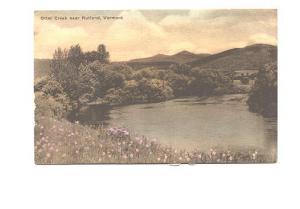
[155, 86]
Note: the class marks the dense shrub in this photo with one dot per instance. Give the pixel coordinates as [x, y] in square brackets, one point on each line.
[263, 96]
[47, 105]
[207, 82]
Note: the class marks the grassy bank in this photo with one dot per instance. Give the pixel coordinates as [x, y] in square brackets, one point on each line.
[62, 142]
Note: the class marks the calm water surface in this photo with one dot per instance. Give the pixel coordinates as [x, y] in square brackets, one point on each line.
[197, 123]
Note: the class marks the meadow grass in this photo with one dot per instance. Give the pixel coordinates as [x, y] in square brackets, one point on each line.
[63, 142]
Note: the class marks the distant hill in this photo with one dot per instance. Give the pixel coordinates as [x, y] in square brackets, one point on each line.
[252, 57]
[162, 60]
[41, 67]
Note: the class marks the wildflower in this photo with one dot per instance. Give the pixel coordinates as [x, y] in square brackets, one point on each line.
[218, 160]
[64, 155]
[230, 158]
[76, 122]
[109, 156]
[48, 155]
[188, 159]
[137, 150]
[131, 155]
[180, 158]
[125, 156]
[99, 159]
[199, 156]
[77, 151]
[158, 159]
[56, 150]
[103, 153]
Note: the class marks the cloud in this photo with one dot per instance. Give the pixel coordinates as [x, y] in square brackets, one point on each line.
[199, 31]
[50, 36]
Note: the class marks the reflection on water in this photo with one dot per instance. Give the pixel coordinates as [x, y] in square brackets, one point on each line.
[196, 123]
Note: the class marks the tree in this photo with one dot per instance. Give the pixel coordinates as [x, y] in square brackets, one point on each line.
[263, 96]
[58, 61]
[90, 56]
[207, 82]
[103, 55]
[75, 55]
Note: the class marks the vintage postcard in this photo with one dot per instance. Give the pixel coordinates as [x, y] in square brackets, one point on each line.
[155, 86]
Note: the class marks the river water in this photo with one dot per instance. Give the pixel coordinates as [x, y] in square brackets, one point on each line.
[222, 122]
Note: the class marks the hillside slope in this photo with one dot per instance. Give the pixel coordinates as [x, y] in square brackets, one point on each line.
[252, 57]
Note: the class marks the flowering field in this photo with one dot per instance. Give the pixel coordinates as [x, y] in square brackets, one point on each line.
[62, 142]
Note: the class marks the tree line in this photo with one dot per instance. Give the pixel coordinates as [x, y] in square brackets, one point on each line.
[78, 78]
